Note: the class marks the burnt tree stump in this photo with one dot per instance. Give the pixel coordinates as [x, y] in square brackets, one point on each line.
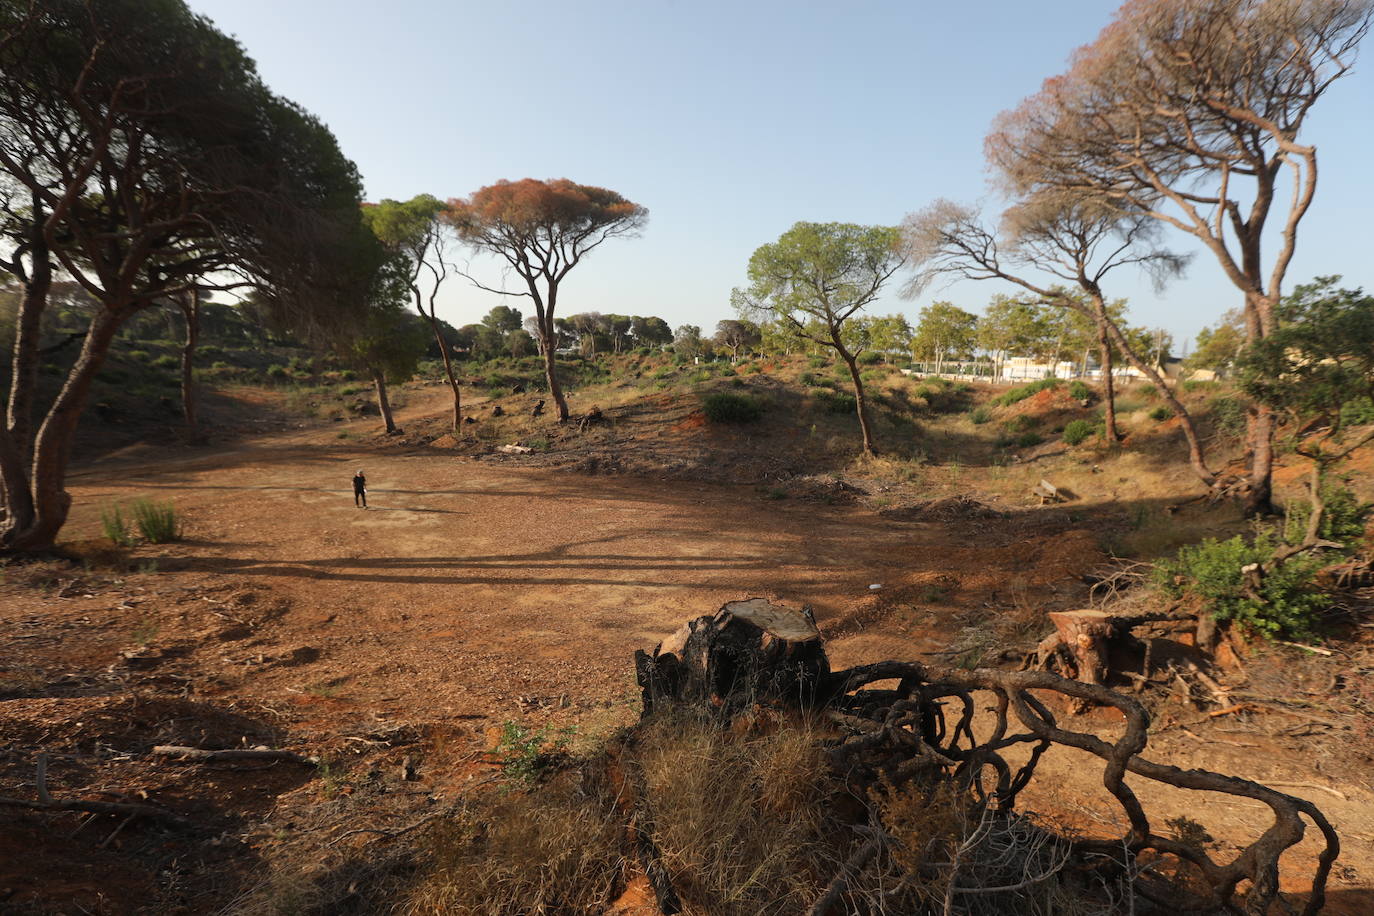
[750, 651]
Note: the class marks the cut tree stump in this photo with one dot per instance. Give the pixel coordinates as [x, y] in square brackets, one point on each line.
[1086, 633]
[750, 651]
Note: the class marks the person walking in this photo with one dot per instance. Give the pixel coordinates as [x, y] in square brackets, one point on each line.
[359, 490]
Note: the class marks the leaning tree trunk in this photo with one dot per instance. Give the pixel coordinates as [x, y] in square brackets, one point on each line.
[38, 499]
[748, 652]
[27, 332]
[1185, 419]
[448, 372]
[190, 309]
[383, 403]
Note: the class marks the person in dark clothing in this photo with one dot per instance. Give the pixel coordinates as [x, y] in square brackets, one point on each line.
[360, 489]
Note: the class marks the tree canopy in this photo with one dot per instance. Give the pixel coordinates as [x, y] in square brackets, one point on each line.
[826, 273]
[142, 156]
[541, 230]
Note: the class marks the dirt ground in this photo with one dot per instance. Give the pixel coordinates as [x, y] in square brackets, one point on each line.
[467, 595]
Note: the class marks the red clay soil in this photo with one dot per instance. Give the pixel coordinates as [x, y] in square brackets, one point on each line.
[466, 595]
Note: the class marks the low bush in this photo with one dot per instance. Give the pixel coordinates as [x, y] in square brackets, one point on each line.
[729, 407]
[116, 526]
[1287, 602]
[980, 415]
[1022, 392]
[1343, 516]
[1076, 431]
[166, 361]
[278, 372]
[869, 358]
[1161, 413]
[831, 401]
[1358, 412]
[1147, 391]
[157, 522]
[1020, 424]
[1192, 385]
[1029, 440]
[1079, 391]
[1228, 414]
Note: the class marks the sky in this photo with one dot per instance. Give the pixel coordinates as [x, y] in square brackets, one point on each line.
[730, 121]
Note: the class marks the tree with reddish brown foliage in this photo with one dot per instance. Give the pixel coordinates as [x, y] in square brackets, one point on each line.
[542, 230]
[1190, 111]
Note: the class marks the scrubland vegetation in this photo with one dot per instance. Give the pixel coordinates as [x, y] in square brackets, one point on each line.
[223, 688]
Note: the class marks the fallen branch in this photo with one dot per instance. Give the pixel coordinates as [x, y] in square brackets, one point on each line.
[98, 807]
[46, 802]
[1317, 649]
[204, 756]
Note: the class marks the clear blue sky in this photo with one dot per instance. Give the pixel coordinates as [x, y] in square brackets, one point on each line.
[730, 121]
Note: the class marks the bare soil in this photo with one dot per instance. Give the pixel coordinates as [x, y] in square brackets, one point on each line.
[468, 594]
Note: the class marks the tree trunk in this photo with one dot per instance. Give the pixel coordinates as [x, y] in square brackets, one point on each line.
[748, 652]
[1259, 497]
[190, 310]
[37, 514]
[448, 370]
[383, 403]
[1195, 456]
[1104, 348]
[860, 404]
[27, 332]
[550, 364]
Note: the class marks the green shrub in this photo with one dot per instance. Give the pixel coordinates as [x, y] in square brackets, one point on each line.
[116, 526]
[980, 415]
[1079, 391]
[278, 372]
[142, 356]
[1020, 424]
[1289, 604]
[816, 362]
[166, 361]
[1147, 391]
[1022, 392]
[1192, 385]
[831, 401]
[522, 751]
[729, 407]
[1161, 413]
[869, 358]
[1343, 516]
[1078, 430]
[872, 376]
[1358, 412]
[157, 522]
[1228, 413]
[1029, 440]
[808, 379]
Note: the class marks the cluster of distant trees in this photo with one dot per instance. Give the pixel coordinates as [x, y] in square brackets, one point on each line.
[145, 161]
[1022, 325]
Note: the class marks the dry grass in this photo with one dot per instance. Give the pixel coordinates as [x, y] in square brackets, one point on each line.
[555, 851]
[746, 824]
[748, 820]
